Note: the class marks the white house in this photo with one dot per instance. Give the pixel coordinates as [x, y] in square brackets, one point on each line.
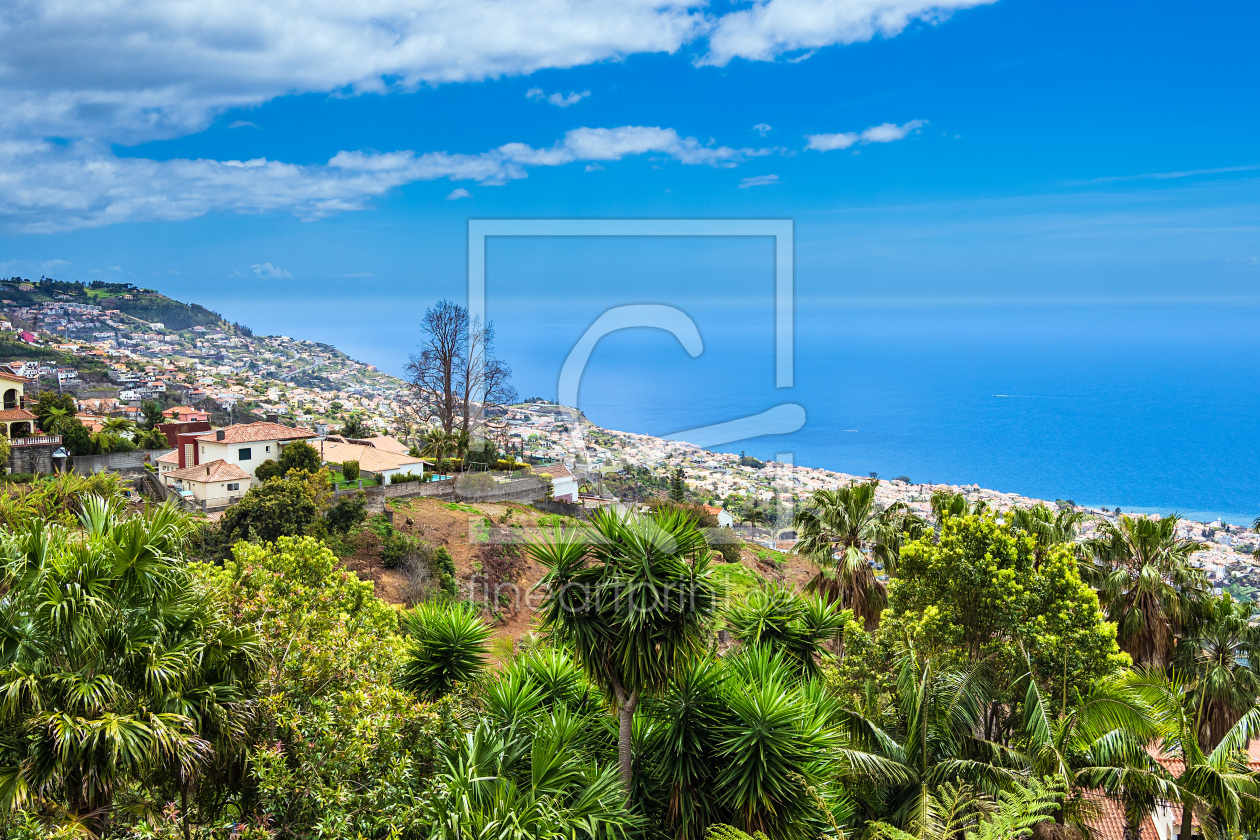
[564, 485]
[213, 483]
[168, 462]
[247, 445]
[724, 518]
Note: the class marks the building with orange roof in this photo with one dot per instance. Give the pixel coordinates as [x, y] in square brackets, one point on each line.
[245, 445]
[186, 414]
[212, 484]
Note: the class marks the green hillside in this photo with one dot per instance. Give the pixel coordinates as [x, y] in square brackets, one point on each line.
[145, 304]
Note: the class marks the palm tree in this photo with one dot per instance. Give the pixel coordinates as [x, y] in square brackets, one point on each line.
[1146, 583]
[1048, 528]
[945, 505]
[1217, 782]
[845, 533]
[118, 668]
[1218, 650]
[754, 517]
[438, 444]
[902, 769]
[631, 595]
[117, 426]
[1098, 743]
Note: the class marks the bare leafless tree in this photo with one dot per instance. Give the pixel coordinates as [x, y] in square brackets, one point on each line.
[455, 377]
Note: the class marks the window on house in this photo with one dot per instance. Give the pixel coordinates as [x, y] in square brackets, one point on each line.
[234, 486]
[244, 454]
[268, 448]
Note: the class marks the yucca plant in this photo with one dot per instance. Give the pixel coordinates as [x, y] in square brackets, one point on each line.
[744, 742]
[447, 647]
[631, 596]
[794, 627]
[509, 784]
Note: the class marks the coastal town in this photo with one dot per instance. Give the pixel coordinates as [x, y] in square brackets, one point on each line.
[203, 368]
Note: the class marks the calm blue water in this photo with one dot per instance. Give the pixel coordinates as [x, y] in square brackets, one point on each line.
[1147, 406]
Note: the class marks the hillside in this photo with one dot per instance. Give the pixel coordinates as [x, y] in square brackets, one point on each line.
[145, 304]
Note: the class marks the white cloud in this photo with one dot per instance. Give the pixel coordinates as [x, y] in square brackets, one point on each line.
[831, 142]
[758, 181]
[134, 70]
[771, 28]
[762, 128]
[884, 133]
[458, 193]
[48, 187]
[560, 100]
[127, 71]
[267, 271]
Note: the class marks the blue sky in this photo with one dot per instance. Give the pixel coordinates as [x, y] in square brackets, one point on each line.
[1119, 135]
[309, 169]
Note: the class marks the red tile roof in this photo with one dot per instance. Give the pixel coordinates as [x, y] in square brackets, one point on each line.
[219, 470]
[16, 414]
[1110, 823]
[256, 433]
[11, 376]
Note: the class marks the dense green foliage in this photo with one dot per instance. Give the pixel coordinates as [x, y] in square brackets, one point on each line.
[299, 455]
[971, 679]
[286, 507]
[116, 668]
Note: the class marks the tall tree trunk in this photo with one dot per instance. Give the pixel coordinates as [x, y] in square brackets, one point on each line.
[625, 738]
[1187, 822]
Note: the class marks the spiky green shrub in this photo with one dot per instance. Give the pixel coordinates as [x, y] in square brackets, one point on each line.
[447, 646]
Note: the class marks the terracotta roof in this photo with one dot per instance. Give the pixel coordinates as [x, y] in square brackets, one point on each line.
[177, 410]
[11, 376]
[171, 457]
[16, 414]
[553, 471]
[219, 470]
[256, 433]
[711, 510]
[1110, 823]
[1175, 765]
[389, 444]
[369, 457]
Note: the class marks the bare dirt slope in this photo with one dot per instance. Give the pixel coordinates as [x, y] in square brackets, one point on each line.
[462, 528]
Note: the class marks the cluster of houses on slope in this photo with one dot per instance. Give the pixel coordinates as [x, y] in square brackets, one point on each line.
[215, 467]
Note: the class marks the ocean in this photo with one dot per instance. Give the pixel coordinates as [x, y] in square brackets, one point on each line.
[1149, 405]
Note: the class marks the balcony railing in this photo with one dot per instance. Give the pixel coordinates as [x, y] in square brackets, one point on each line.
[38, 440]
